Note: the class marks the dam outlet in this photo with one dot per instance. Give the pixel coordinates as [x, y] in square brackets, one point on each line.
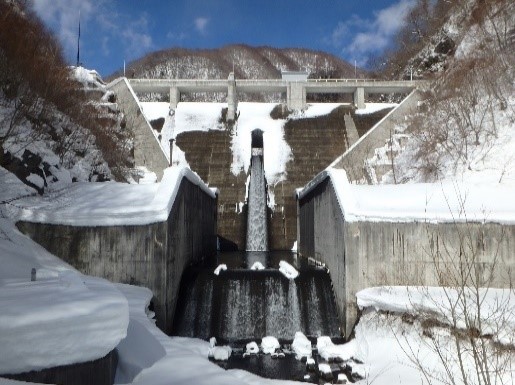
[244, 296]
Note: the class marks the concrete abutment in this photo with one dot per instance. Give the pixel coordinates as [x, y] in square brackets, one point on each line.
[153, 255]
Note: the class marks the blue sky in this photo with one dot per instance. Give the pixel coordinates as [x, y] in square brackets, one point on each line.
[116, 30]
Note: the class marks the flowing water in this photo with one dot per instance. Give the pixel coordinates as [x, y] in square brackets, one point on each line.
[257, 233]
[240, 304]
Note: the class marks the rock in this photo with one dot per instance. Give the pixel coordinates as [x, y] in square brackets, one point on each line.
[325, 372]
[310, 365]
[342, 379]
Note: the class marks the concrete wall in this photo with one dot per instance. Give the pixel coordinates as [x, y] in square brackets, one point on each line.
[147, 150]
[154, 255]
[98, 372]
[365, 253]
[353, 159]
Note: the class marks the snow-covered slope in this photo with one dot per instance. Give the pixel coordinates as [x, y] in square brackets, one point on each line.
[464, 130]
[61, 318]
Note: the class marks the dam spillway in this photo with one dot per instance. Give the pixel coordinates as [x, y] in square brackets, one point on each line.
[243, 305]
[257, 227]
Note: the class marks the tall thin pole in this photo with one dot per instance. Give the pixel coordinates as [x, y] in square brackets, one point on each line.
[355, 69]
[78, 44]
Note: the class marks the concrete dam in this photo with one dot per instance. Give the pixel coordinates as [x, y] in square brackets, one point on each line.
[246, 303]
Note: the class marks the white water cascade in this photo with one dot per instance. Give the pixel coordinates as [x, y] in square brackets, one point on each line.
[257, 232]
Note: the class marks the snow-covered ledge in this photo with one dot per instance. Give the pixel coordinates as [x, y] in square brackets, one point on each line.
[108, 203]
[422, 202]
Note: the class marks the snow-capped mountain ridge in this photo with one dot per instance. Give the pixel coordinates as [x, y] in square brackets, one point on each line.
[245, 61]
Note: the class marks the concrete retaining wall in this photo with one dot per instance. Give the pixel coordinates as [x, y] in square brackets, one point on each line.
[366, 253]
[153, 255]
[98, 372]
[353, 159]
[147, 150]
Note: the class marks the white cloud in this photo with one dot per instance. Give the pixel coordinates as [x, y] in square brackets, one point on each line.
[370, 36]
[201, 24]
[65, 14]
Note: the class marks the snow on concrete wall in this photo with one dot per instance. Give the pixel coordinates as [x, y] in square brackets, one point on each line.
[363, 251]
[152, 255]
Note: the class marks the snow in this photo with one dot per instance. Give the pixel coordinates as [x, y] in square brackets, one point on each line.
[155, 110]
[43, 322]
[426, 202]
[269, 344]
[36, 180]
[90, 79]
[107, 203]
[324, 368]
[277, 152]
[370, 108]
[220, 268]
[257, 266]
[450, 306]
[328, 350]
[191, 116]
[252, 348]
[288, 270]
[220, 353]
[301, 345]
[316, 109]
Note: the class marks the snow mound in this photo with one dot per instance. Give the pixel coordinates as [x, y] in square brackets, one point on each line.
[257, 266]
[288, 270]
[301, 346]
[252, 348]
[220, 353]
[269, 344]
[426, 202]
[107, 203]
[43, 322]
[220, 268]
[328, 350]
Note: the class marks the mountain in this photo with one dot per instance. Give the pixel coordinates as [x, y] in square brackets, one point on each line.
[464, 127]
[247, 63]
